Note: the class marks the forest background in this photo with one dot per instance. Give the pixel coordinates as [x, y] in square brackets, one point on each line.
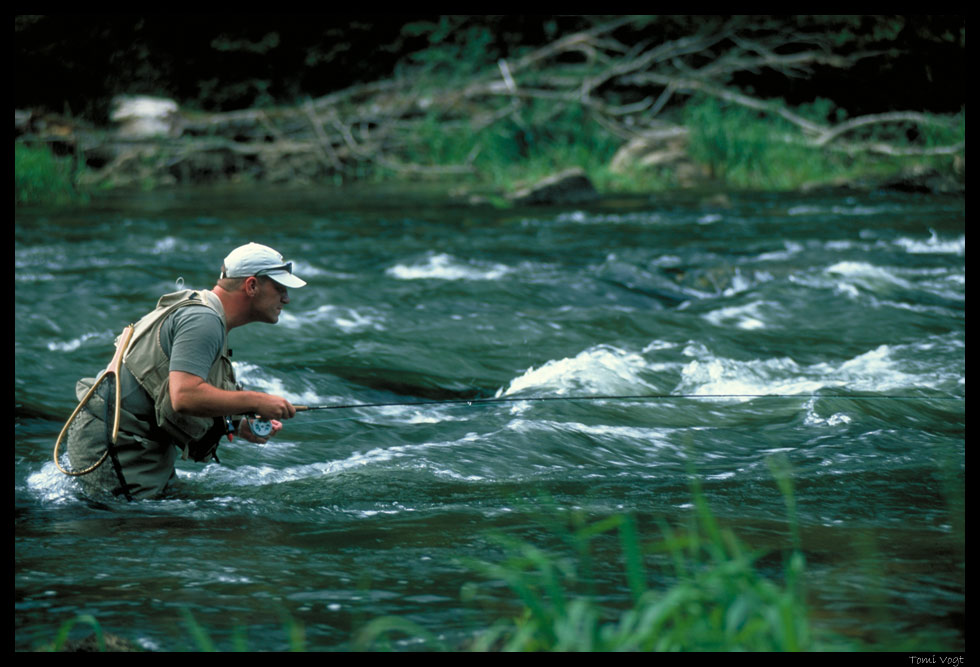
[490, 103]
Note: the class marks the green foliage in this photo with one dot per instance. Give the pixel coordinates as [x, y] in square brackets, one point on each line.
[718, 600]
[377, 634]
[943, 134]
[750, 149]
[744, 148]
[534, 141]
[294, 631]
[41, 178]
[540, 139]
[61, 639]
[456, 50]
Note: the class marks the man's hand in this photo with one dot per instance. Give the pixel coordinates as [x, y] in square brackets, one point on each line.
[274, 407]
[245, 430]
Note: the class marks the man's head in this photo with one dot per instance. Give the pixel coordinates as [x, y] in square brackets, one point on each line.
[255, 279]
[258, 260]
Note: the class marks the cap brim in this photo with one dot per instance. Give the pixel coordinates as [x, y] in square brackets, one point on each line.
[286, 279]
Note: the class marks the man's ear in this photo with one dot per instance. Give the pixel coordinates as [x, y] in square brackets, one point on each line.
[251, 285]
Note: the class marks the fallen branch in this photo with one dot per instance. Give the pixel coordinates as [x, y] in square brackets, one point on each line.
[861, 121]
[899, 151]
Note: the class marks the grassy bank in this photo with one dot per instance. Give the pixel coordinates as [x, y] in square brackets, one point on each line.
[494, 102]
[745, 148]
[727, 147]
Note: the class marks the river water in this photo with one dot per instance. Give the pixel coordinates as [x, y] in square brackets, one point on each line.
[357, 513]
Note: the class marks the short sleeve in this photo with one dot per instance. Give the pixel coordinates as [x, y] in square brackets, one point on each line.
[197, 336]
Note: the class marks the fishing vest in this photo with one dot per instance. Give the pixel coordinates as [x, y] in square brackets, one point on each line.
[150, 365]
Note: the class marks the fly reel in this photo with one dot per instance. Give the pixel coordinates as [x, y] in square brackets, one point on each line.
[260, 427]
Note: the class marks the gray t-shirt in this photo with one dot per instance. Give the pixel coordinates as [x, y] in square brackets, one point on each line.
[192, 337]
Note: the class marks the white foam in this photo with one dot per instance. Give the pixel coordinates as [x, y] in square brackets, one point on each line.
[51, 484]
[75, 343]
[876, 370]
[741, 283]
[745, 378]
[349, 320]
[934, 245]
[266, 474]
[838, 210]
[581, 217]
[748, 316]
[305, 269]
[600, 369]
[658, 436]
[865, 272]
[254, 378]
[791, 248]
[446, 267]
[854, 276]
[164, 246]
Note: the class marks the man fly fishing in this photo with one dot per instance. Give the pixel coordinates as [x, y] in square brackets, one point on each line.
[174, 386]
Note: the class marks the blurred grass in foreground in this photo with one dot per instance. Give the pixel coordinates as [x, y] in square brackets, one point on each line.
[715, 598]
[719, 601]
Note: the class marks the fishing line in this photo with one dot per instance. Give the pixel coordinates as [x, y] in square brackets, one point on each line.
[617, 397]
[263, 427]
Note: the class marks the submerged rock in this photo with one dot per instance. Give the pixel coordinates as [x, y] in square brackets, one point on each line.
[924, 180]
[571, 186]
[90, 644]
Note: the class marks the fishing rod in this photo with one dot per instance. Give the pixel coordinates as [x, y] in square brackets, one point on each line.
[615, 397]
[262, 427]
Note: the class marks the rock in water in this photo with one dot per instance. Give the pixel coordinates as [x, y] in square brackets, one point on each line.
[90, 644]
[571, 186]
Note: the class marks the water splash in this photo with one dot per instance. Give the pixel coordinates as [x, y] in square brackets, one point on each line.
[446, 267]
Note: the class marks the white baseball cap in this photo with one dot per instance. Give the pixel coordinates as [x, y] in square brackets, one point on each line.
[255, 259]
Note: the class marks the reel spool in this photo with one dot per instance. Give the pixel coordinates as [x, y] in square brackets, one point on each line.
[260, 427]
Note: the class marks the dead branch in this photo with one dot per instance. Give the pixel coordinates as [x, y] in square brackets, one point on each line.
[872, 119]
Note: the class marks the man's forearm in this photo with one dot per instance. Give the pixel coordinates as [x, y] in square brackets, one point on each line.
[191, 395]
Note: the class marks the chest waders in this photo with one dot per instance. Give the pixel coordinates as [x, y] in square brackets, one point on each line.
[111, 434]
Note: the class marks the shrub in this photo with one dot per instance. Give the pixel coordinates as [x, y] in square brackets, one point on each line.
[41, 178]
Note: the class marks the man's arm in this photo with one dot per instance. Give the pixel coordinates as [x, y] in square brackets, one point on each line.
[191, 395]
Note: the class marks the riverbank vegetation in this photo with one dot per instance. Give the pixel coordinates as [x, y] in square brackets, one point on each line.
[41, 177]
[489, 104]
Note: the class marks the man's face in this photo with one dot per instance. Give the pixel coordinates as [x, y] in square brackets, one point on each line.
[268, 300]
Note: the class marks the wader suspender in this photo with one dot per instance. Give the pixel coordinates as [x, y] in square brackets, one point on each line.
[111, 436]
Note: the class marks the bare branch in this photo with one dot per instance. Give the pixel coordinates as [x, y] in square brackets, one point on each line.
[872, 119]
[899, 151]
